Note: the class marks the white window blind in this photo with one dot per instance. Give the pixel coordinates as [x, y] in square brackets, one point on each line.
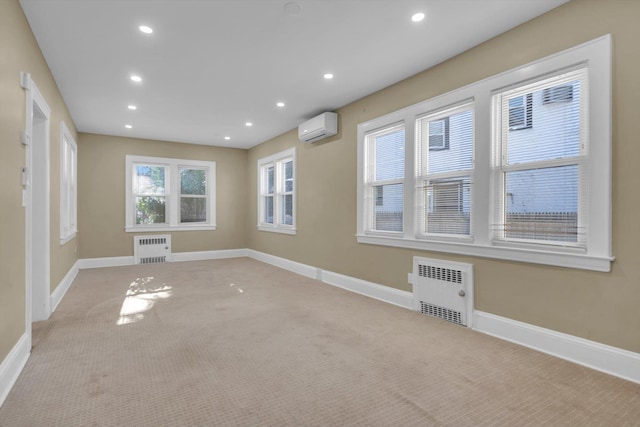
[385, 178]
[540, 174]
[445, 175]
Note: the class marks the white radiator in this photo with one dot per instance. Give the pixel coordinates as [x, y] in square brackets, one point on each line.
[443, 289]
[152, 249]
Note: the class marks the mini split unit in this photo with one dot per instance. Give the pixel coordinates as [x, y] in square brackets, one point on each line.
[320, 127]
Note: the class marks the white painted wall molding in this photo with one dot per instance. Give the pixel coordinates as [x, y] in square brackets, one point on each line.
[601, 357]
[204, 255]
[12, 365]
[393, 296]
[296, 267]
[116, 261]
[64, 285]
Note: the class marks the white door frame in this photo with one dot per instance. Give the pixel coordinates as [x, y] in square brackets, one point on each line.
[36, 199]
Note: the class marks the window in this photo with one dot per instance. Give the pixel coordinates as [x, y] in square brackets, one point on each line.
[444, 177]
[458, 174]
[276, 192]
[521, 112]
[169, 194]
[385, 178]
[68, 185]
[539, 193]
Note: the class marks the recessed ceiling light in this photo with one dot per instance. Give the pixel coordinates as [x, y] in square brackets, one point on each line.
[136, 78]
[248, 124]
[417, 17]
[132, 107]
[280, 104]
[328, 76]
[227, 138]
[145, 29]
[128, 126]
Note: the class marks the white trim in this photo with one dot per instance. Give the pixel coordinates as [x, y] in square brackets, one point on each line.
[296, 267]
[511, 253]
[64, 285]
[13, 364]
[68, 193]
[597, 256]
[41, 176]
[205, 255]
[601, 357]
[276, 160]
[172, 194]
[116, 261]
[383, 293]
[182, 227]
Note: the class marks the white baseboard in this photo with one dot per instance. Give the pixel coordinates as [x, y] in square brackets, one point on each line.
[204, 255]
[13, 364]
[373, 290]
[296, 267]
[116, 261]
[62, 288]
[601, 357]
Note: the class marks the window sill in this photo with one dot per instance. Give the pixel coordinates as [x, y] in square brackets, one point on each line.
[66, 239]
[199, 227]
[534, 256]
[277, 229]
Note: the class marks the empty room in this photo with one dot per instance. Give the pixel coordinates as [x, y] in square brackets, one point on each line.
[319, 213]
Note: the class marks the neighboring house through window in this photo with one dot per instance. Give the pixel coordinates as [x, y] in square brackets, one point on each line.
[277, 192]
[68, 185]
[165, 194]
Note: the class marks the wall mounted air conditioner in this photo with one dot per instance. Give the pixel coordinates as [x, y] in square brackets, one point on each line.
[320, 127]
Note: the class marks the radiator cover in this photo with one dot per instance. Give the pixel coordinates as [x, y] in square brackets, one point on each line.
[152, 249]
[443, 289]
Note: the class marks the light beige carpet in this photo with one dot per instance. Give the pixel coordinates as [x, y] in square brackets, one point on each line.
[238, 342]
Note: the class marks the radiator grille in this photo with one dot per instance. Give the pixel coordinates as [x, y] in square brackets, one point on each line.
[441, 313]
[440, 273]
[153, 259]
[152, 241]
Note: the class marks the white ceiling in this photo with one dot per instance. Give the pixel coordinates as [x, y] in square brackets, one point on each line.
[212, 65]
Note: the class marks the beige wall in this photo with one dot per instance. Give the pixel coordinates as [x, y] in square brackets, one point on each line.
[101, 187]
[598, 306]
[20, 52]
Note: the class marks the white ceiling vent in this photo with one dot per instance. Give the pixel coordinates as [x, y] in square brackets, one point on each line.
[443, 289]
[320, 127]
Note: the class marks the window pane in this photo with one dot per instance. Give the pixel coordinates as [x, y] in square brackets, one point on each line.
[149, 180]
[287, 209]
[193, 209]
[389, 156]
[542, 204]
[270, 180]
[556, 127]
[288, 170]
[457, 138]
[448, 206]
[268, 210]
[193, 181]
[387, 213]
[150, 210]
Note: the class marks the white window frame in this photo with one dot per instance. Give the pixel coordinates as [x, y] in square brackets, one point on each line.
[596, 55]
[68, 185]
[277, 161]
[172, 194]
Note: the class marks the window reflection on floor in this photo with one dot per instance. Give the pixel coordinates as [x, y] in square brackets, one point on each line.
[140, 298]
